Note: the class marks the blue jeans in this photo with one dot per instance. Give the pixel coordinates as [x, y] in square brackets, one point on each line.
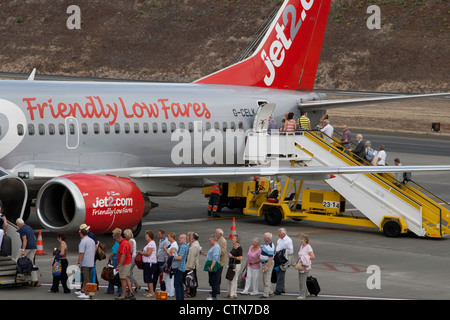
[178, 285]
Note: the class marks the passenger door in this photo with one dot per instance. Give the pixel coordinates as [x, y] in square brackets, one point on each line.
[72, 133]
[262, 117]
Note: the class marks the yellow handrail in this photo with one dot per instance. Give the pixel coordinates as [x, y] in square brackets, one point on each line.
[430, 209]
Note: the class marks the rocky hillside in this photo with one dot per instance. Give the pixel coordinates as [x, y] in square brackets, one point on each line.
[182, 40]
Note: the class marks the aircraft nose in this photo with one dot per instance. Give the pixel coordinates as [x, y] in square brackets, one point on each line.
[10, 117]
[4, 125]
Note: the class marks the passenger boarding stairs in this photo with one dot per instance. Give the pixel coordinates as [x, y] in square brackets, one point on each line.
[13, 194]
[375, 195]
[8, 264]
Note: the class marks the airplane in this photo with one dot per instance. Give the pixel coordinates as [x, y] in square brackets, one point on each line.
[95, 152]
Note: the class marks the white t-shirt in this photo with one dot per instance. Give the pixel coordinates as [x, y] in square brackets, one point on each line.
[133, 248]
[328, 130]
[382, 155]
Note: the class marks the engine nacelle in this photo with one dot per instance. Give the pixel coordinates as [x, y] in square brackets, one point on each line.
[103, 202]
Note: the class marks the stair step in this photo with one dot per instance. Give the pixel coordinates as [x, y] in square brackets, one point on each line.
[12, 281]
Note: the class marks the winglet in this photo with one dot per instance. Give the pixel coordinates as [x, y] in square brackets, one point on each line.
[32, 74]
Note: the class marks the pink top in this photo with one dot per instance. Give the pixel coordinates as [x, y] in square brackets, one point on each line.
[253, 256]
[303, 254]
[151, 258]
[289, 125]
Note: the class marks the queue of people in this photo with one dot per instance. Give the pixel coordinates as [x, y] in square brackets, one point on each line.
[175, 264]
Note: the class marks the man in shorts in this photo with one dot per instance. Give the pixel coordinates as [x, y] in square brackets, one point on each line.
[86, 259]
[124, 266]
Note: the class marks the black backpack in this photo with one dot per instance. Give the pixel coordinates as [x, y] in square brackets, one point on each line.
[24, 265]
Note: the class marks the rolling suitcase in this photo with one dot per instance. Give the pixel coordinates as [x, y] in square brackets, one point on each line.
[313, 285]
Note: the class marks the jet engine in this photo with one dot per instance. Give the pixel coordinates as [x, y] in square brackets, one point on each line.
[103, 202]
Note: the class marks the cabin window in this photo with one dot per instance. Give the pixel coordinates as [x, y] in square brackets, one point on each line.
[127, 128]
[164, 127]
[51, 129]
[146, 127]
[107, 128]
[72, 128]
[136, 127]
[31, 129]
[84, 128]
[41, 129]
[20, 130]
[155, 127]
[61, 129]
[96, 128]
[173, 127]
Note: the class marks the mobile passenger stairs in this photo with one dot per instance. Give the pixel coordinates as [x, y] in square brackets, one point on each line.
[385, 203]
[8, 264]
[13, 194]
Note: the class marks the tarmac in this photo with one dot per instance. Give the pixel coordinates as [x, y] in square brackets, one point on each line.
[352, 263]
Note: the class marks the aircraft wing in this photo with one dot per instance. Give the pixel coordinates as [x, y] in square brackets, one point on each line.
[233, 174]
[181, 178]
[354, 102]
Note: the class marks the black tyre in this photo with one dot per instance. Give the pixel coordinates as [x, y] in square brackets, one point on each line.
[392, 229]
[273, 216]
[137, 229]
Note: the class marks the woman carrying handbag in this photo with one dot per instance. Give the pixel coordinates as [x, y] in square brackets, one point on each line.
[60, 258]
[253, 266]
[234, 266]
[305, 255]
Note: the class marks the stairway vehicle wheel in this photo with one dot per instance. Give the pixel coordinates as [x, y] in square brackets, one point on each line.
[273, 216]
[392, 229]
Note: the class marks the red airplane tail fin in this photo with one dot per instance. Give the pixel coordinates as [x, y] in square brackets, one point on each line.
[288, 56]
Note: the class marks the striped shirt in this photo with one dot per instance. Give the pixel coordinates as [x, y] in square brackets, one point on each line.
[267, 252]
[304, 123]
[289, 125]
